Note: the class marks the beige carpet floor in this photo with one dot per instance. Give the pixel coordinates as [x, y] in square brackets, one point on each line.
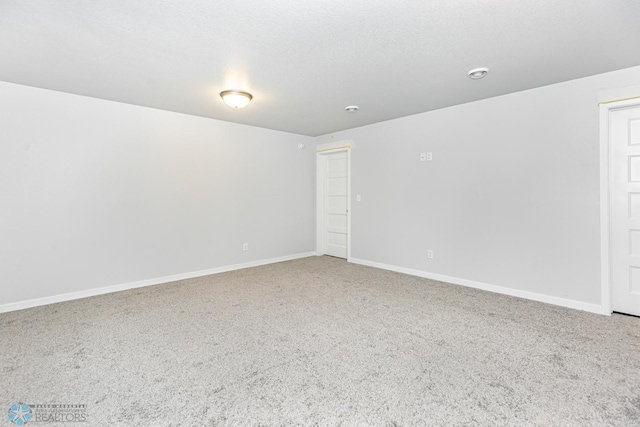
[318, 341]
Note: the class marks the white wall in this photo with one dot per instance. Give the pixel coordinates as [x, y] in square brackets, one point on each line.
[96, 193]
[511, 198]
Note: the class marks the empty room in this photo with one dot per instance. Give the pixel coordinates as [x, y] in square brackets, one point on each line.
[280, 213]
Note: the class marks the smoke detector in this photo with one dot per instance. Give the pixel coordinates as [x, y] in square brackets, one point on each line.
[351, 108]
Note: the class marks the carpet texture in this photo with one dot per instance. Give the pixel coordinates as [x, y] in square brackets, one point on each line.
[318, 341]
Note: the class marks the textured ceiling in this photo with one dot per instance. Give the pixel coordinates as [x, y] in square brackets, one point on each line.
[304, 61]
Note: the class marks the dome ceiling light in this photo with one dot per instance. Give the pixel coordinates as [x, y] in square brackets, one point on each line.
[478, 73]
[236, 99]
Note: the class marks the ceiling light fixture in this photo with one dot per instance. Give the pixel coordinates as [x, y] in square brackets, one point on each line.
[478, 73]
[235, 98]
[351, 108]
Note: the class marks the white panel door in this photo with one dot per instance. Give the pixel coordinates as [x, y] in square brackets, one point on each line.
[336, 204]
[625, 210]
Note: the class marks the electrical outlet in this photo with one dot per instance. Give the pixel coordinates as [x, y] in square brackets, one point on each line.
[429, 156]
[430, 254]
[423, 156]
[245, 247]
[358, 198]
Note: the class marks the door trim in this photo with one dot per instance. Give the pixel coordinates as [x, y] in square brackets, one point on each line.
[605, 199]
[320, 217]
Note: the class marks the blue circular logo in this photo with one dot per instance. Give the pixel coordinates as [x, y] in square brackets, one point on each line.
[20, 414]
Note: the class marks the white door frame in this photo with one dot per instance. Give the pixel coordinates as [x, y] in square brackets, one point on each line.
[320, 217]
[605, 200]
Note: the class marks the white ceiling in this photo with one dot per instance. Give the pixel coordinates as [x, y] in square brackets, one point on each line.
[304, 61]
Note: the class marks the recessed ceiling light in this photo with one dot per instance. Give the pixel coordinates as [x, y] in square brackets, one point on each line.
[351, 108]
[235, 98]
[478, 73]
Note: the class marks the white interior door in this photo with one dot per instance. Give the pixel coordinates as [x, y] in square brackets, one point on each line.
[334, 215]
[625, 209]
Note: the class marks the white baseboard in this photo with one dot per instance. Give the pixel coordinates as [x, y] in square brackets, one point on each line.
[578, 305]
[20, 305]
